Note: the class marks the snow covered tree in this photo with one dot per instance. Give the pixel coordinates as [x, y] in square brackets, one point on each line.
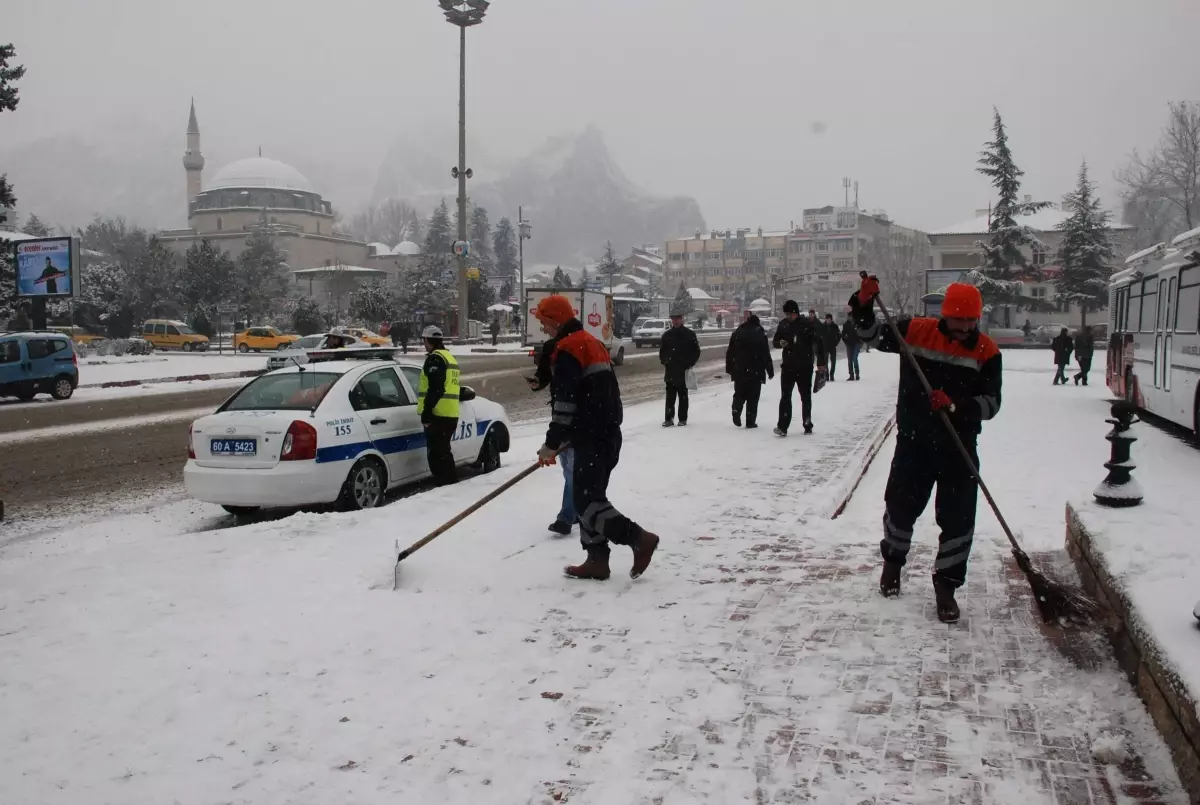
[392, 221]
[306, 316]
[561, 280]
[207, 277]
[34, 226]
[8, 102]
[480, 296]
[609, 266]
[419, 290]
[504, 250]
[1002, 263]
[682, 304]
[152, 276]
[8, 285]
[260, 281]
[439, 238]
[479, 232]
[1086, 252]
[102, 304]
[1162, 187]
[506, 290]
[372, 304]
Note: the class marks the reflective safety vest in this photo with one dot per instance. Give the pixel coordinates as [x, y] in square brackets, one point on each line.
[447, 406]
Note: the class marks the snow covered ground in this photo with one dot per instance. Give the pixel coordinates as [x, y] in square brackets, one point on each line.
[109, 369]
[148, 663]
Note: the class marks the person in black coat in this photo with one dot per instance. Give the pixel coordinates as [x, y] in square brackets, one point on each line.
[1085, 345]
[799, 339]
[678, 352]
[831, 335]
[748, 363]
[853, 344]
[1063, 345]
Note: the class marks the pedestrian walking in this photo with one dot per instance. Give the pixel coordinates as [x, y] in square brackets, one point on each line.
[401, 333]
[494, 329]
[587, 415]
[853, 344]
[831, 335]
[1027, 329]
[567, 517]
[437, 403]
[385, 328]
[748, 364]
[1085, 345]
[964, 368]
[1063, 346]
[801, 343]
[678, 352]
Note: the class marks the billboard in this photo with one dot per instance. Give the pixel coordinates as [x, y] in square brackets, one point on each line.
[47, 267]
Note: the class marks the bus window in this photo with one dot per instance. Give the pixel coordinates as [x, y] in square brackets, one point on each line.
[1169, 321]
[1133, 321]
[1149, 305]
[1187, 309]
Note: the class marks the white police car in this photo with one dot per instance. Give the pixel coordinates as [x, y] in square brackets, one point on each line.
[344, 428]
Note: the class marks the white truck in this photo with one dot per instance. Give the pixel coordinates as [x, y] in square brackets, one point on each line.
[593, 308]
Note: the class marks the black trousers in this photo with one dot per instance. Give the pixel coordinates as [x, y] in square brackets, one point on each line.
[1061, 375]
[916, 467]
[599, 521]
[1085, 366]
[682, 393]
[495, 338]
[802, 380]
[831, 356]
[747, 392]
[437, 449]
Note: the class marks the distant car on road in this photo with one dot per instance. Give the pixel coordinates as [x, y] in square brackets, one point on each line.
[260, 338]
[365, 335]
[172, 334]
[342, 429]
[78, 334]
[35, 362]
[650, 333]
[296, 353]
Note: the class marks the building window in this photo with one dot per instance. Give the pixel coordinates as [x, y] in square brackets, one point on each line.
[714, 255]
[844, 263]
[1039, 256]
[1037, 292]
[794, 247]
[846, 220]
[822, 261]
[220, 224]
[822, 247]
[843, 245]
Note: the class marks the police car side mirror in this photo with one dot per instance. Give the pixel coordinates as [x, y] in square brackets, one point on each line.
[466, 393]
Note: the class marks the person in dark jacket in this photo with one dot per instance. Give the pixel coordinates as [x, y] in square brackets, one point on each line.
[831, 335]
[1062, 346]
[964, 368]
[1085, 345]
[800, 341]
[748, 363]
[494, 329]
[401, 333]
[853, 344]
[587, 415]
[678, 352]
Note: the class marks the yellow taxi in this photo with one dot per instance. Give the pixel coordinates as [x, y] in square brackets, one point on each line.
[363, 334]
[260, 338]
[78, 334]
[172, 334]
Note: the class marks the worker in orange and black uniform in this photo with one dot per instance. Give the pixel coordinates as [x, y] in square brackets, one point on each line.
[964, 369]
[587, 415]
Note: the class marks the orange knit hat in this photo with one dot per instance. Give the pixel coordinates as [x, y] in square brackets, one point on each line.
[962, 301]
[555, 308]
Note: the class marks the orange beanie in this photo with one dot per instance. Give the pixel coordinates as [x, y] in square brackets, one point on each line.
[962, 301]
[555, 308]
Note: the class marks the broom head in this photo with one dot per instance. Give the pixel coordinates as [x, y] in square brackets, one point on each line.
[1056, 601]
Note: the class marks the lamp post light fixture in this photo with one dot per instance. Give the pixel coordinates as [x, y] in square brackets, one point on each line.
[464, 15]
[524, 233]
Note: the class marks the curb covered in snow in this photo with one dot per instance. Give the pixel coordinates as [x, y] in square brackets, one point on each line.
[1141, 657]
[855, 478]
[177, 379]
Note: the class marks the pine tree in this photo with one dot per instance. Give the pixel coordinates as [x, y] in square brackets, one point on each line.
[207, 278]
[439, 238]
[372, 304]
[480, 296]
[8, 285]
[260, 281]
[504, 250]
[152, 274]
[609, 266]
[1086, 252]
[506, 290]
[34, 226]
[1002, 263]
[306, 316]
[420, 290]
[9, 99]
[560, 278]
[480, 235]
[682, 304]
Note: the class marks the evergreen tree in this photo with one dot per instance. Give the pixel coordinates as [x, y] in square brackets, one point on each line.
[682, 304]
[420, 290]
[306, 316]
[9, 99]
[8, 284]
[506, 290]
[34, 226]
[1002, 263]
[609, 266]
[207, 278]
[372, 304]
[439, 238]
[584, 278]
[480, 296]
[260, 280]
[504, 250]
[480, 235]
[102, 296]
[561, 280]
[1086, 252]
[152, 276]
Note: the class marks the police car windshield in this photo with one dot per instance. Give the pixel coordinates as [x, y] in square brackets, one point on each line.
[299, 391]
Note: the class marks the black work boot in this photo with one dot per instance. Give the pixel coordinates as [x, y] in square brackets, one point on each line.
[560, 527]
[737, 418]
[889, 580]
[947, 607]
[595, 568]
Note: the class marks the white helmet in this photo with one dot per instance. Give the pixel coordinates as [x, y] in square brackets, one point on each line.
[432, 331]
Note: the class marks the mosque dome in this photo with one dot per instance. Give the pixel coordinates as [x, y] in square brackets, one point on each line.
[407, 248]
[259, 172]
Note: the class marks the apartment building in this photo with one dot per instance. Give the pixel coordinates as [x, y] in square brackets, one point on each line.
[731, 265]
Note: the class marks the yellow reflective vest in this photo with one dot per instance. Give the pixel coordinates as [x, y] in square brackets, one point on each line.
[447, 406]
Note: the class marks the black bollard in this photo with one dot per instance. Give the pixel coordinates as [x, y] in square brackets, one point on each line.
[1119, 489]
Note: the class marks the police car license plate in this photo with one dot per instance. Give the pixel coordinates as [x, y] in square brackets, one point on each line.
[233, 447]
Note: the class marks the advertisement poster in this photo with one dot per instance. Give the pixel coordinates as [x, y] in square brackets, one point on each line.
[45, 267]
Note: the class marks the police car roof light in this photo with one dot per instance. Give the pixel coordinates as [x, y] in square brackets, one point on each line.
[374, 354]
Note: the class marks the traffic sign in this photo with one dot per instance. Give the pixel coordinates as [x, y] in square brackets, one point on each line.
[461, 248]
[227, 308]
[473, 273]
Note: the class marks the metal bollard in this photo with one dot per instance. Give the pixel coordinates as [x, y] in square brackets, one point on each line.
[1120, 489]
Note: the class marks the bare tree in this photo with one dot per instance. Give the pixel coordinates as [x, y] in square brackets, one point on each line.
[900, 262]
[391, 221]
[1162, 187]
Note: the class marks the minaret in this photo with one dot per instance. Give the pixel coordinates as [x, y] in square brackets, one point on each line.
[193, 160]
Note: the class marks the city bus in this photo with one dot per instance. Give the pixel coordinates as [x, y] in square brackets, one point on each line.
[1154, 331]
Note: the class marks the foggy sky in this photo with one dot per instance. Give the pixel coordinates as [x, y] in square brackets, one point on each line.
[709, 98]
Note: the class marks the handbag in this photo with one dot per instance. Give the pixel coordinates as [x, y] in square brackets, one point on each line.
[689, 380]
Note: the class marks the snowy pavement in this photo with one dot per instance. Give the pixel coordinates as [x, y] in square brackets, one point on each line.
[754, 662]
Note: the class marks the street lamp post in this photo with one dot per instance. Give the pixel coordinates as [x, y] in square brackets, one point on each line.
[463, 15]
[524, 233]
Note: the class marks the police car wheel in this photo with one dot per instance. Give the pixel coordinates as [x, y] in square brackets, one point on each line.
[364, 485]
[489, 454]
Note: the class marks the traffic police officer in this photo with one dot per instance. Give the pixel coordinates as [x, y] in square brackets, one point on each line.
[437, 403]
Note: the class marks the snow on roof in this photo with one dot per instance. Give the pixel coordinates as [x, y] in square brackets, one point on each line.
[699, 293]
[1040, 221]
[319, 270]
[379, 248]
[1179, 240]
[760, 303]
[259, 172]
[406, 248]
[7, 234]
